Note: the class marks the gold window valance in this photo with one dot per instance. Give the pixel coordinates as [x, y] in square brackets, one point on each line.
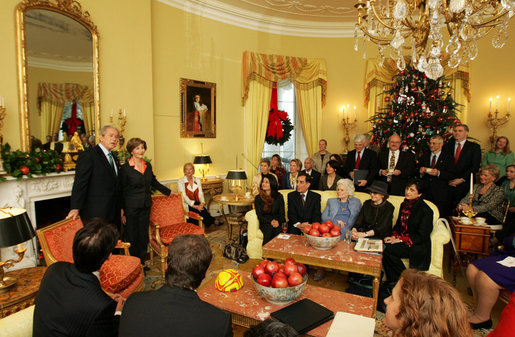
[377, 76]
[65, 92]
[270, 69]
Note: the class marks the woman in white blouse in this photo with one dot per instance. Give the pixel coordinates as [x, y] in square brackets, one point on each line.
[192, 195]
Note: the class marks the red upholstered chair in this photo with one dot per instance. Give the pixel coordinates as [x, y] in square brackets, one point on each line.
[168, 220]
[120, 274]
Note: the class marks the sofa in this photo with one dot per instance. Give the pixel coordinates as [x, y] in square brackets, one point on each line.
[439, 237]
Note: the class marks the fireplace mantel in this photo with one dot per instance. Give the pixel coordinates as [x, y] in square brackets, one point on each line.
[25, 193]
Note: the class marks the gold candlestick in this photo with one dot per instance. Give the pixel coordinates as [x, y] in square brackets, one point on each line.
[470, 213]
[348, 125]
[494, 122]
[122, 120]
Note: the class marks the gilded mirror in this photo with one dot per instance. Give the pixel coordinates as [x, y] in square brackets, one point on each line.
[58, 80]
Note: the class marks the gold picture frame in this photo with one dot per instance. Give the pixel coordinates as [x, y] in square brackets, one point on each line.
[198, 109]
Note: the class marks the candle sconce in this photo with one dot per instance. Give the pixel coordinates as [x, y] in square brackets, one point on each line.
[122, 120]
[348, 124]
[494, 121]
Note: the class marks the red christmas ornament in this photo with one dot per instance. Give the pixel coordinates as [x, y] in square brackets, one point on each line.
[387, 99]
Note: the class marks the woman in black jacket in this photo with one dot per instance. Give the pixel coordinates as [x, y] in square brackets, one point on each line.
[269, 205]
[137, 179]
[411, 235]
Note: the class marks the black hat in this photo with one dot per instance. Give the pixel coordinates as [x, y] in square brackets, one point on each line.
[379, 187]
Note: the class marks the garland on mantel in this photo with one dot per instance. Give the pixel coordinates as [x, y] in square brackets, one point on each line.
[37, 161]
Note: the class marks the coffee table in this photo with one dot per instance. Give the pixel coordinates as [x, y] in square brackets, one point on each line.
[248, 308]
[340, 257]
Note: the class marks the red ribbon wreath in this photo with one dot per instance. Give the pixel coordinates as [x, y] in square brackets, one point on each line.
[275, 118]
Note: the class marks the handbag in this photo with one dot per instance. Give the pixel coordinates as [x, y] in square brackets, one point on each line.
[236, 252]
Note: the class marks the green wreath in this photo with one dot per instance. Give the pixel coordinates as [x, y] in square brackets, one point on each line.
[272, 137]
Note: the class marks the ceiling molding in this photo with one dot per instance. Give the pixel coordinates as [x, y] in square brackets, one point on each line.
[82, 67]
[222, 12]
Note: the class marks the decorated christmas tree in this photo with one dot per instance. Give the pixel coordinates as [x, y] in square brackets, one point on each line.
[416, 109]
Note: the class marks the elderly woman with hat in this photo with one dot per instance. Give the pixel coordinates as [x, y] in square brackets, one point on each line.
[376, 216]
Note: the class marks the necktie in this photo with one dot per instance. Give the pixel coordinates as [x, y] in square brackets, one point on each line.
[391, 166]
[111, 162]
[457, 154]
[358, 160]
[433, 161]
[302, 198]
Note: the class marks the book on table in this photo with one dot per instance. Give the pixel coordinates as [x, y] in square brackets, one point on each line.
[369, 245]
[304, 315]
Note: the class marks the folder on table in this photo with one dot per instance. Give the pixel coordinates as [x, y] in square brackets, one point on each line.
[304, 315]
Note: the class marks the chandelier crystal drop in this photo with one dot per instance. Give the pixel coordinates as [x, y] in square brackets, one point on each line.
[415, 26]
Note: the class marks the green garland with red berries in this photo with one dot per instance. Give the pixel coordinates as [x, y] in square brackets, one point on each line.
[18, 163]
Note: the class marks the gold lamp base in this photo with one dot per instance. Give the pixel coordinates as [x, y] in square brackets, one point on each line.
[7, 283]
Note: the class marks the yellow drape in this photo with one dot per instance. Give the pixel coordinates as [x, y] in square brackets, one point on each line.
[256, 121]
[51, 115]
[309, 106]
[88, 112]
[377, 77]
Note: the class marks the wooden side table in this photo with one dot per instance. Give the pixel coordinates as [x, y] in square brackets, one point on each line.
[230, 200]
[212, 187]
[23, 293]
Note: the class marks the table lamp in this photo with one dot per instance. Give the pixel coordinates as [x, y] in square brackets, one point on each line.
[203, 162]
[237, 180]
[15, 228]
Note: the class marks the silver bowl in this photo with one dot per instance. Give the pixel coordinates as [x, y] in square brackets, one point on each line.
[280, 295]
[320, 242]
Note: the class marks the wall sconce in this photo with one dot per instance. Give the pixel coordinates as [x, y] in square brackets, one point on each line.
[494, 122]
[15, 228]
[122, 120]
[348, 124]
[202, 162]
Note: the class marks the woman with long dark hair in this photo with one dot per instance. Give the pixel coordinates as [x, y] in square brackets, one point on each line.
[269, 205]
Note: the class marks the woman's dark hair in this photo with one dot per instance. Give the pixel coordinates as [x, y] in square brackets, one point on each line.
[337, 158]
[134, 143]
[334, 164]
[189, 257]
[93, 244]
[274, 187]
[418, 184]
[278, 157]
[271, 328]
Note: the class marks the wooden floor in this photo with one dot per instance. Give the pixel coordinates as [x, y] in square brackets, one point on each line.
[337, 281]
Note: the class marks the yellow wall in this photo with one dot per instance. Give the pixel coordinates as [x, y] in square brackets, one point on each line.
[150, 46]
[37, 75]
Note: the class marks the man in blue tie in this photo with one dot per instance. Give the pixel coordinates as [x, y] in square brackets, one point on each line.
[96, 190]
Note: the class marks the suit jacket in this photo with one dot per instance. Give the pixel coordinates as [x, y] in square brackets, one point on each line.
[315, 179]
[436, 188]
[286, 185]
[136, 187]
[95, 191]
[310, 212]
[405, 163]
[172, 312]
[468, 162]
[368, 162]
[71, 303]
[420, 226]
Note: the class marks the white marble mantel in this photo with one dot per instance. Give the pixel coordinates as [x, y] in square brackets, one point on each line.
[23, 194]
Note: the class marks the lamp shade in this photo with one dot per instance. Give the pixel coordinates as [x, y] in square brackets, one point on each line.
[236, 174]
[15, 227]
[202, 160]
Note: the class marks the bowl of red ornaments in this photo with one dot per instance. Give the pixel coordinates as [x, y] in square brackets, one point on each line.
[279, 284]
[322, 236]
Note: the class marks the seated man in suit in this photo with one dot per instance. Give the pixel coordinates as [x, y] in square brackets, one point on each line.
[315, 175]
[175, 309]
[70, 301]
[361, 158]
[467, 160]
[303, 205]
[396, 166]
[436, 170]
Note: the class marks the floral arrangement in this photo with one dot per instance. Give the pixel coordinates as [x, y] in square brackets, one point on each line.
[37, 161]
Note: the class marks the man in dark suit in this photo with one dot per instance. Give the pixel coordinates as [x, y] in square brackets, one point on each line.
[467, 160]
[95, 191]
[315, 175]
[55, 144]
[396, 166]
[176, 309]
[361, 158]
[70, 301]
[436, 170]
[303, 205]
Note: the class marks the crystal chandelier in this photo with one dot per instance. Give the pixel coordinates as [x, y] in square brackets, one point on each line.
[393, 23]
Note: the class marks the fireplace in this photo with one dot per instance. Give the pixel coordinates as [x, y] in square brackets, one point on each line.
[50, 211]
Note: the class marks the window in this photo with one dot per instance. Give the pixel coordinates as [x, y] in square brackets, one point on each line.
[295, 147]
[67, 113]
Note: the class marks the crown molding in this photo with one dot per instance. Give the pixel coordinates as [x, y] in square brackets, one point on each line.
[82, 67]
[222, 12]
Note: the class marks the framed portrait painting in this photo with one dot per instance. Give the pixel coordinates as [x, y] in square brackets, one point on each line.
[198, 109]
